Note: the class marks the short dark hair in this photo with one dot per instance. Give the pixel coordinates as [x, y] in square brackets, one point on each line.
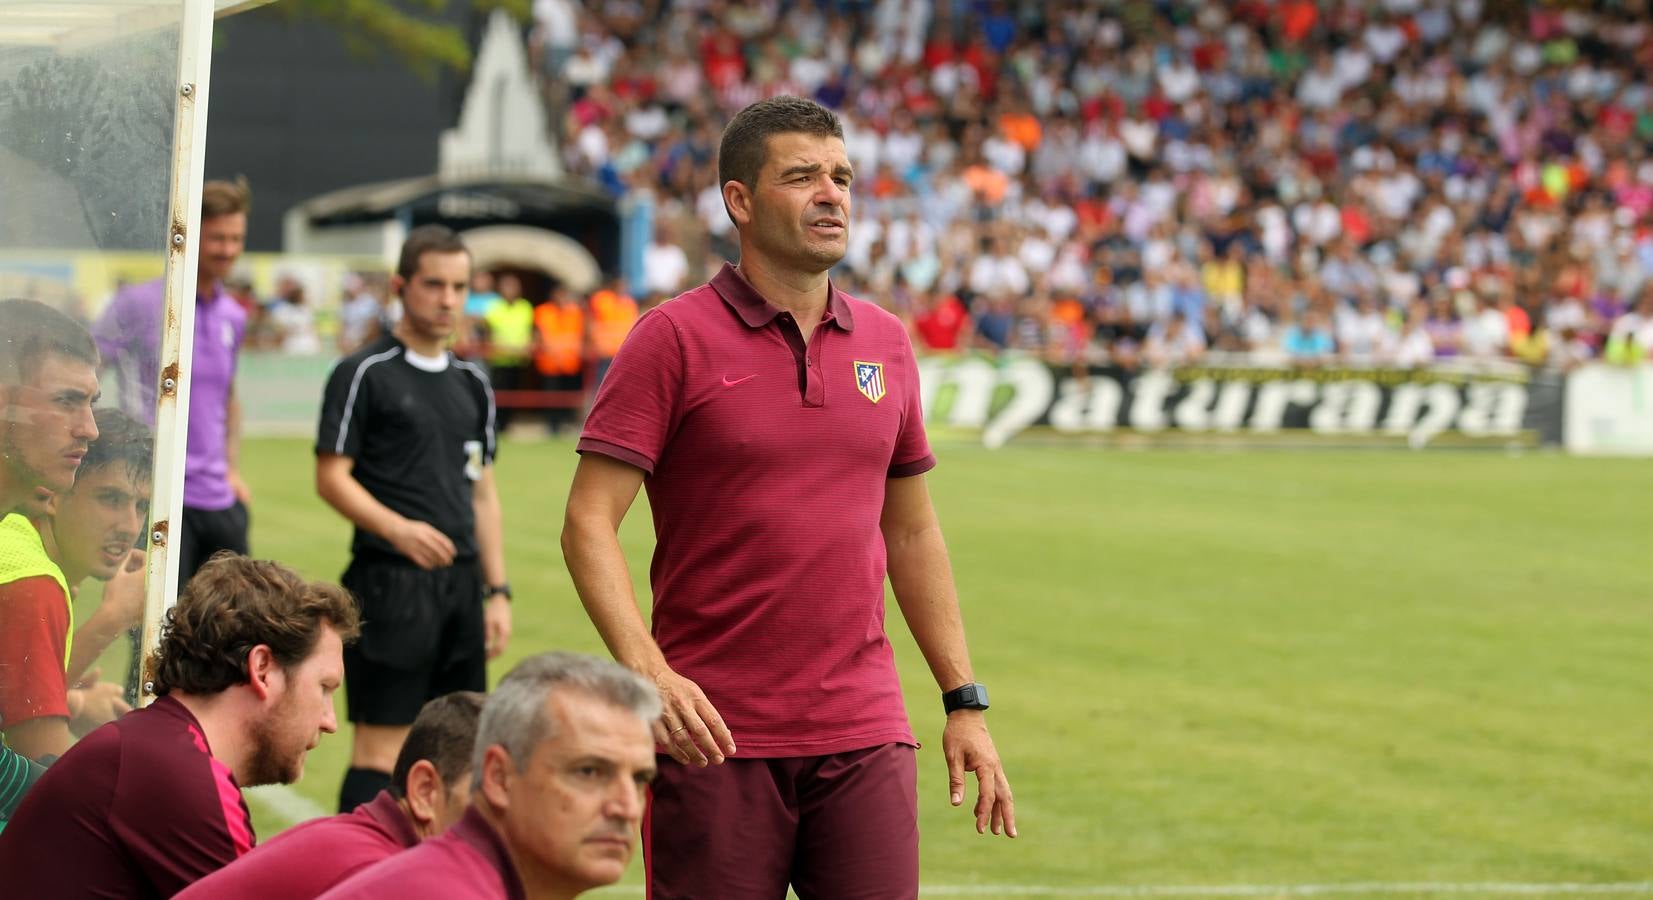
[232, 605]
[121, 439]
[745, 145]
[224, 198]
[427, 239]
[30, 331]
[444, 733]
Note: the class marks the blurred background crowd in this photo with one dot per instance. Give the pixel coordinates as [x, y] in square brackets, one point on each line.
[1390, 182]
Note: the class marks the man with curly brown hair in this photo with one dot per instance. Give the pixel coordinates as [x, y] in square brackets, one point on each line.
[248, 663]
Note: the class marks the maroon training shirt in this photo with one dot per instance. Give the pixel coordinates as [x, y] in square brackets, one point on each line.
[466, 862]
[139, 808]
[302, 862]
[767, 464]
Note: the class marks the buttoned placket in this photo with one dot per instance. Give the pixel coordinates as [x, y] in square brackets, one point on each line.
[811, 380]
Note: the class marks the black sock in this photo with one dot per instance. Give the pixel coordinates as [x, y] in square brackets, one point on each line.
[361, 786]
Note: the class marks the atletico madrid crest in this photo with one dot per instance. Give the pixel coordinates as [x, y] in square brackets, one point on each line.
[869, 379]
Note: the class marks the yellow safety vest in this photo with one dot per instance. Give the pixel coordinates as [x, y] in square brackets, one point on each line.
[23, 555]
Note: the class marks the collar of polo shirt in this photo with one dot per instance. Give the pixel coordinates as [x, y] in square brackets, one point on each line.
[757, 312]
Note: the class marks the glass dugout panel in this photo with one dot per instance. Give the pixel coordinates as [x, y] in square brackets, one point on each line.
[88, 95]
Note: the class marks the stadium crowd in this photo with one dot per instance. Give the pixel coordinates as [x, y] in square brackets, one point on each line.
[1393, 182]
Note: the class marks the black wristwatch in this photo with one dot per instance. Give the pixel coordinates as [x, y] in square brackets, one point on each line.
[970, 696]
[490, 591]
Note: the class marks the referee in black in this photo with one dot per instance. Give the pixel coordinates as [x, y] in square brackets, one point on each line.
[405, 451]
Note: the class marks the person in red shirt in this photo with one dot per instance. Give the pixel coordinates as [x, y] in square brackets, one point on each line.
[87, 531]
[48, 382]
[562, 761]
[775, 422]
[249, 659]
[430, 791]
[942, 323]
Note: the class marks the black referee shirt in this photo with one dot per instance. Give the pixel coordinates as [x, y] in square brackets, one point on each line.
[419, 438]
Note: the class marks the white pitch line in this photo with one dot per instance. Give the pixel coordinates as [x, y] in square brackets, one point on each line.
[1624, 888]
[1287, 890]
[288, 803]
[294, 807]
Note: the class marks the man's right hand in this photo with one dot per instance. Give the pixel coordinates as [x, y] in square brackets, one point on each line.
[689, 727]
[421, 542]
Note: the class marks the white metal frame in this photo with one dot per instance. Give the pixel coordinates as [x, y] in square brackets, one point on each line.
[189, 148]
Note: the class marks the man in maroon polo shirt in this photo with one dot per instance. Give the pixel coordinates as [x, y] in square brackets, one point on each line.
[562, 760]
[150, 802]
[430, 790]
[775, 421]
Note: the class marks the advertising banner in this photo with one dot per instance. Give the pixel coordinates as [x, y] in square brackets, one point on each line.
[1234, 402]
[1610, 410]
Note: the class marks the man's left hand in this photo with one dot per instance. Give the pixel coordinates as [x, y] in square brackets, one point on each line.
[242, 492]
[496, 624]
[969, 748]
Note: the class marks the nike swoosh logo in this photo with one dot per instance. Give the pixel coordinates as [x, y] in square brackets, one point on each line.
[728, 383]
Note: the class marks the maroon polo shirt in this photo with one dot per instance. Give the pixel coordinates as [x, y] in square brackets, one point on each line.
[139, 808]
[466, 862]
[305, 860]
[767, 461]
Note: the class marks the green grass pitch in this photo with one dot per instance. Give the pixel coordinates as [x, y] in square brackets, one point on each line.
[1226, 668]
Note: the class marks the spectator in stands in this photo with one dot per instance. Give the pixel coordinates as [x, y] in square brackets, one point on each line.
[1414, 348]
[1174, 342]
[480, 301]
[1377, 147]
[1308, 341]
[1631, 339]
[86, 531]
[429, 791]
[359, 314]
[940, 322]
[665, 265]
[561, 338]
[508, 331]
[293, 319]
[248, 662]
[563, 758]
[1362, 332]
[613, 312]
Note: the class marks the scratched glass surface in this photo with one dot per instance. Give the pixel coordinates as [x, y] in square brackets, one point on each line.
[87, 99]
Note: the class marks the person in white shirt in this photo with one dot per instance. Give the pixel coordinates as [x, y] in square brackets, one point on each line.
[1415, 348]
[665, 265]
[1486, 333]
[1362, 333]
[999, 272]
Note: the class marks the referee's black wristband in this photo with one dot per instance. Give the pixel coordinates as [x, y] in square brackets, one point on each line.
[489, 591]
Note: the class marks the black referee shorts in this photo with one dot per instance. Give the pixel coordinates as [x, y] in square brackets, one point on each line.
[422, 637]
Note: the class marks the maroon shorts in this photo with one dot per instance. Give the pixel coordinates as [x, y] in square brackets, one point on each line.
[838, 827]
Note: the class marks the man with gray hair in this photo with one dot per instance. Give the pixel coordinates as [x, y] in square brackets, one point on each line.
[564, 754]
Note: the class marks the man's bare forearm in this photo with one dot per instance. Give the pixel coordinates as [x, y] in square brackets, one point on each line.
[591, 547]
[490, 529]
[344, 493]
[922, 576]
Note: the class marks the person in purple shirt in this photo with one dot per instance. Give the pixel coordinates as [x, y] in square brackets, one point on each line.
[128, 334]
[564, 755]
[430, 791]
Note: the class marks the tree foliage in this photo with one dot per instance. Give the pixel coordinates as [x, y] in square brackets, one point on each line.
[413, 31]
